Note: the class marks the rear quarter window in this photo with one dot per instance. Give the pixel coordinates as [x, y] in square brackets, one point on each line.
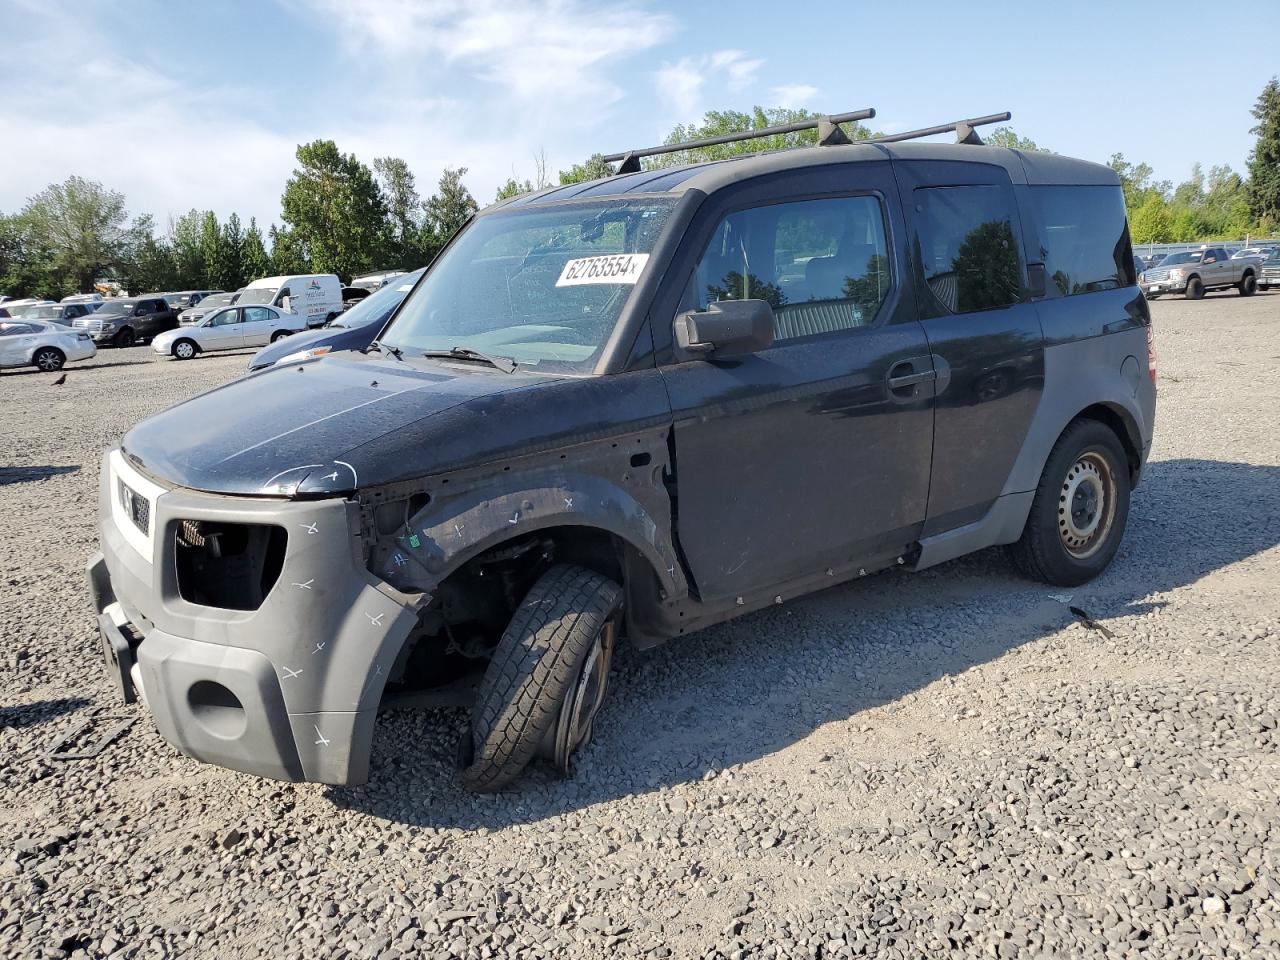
[968, 248]
[1086, 238]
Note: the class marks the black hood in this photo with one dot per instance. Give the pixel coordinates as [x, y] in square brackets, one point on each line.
[299, 429]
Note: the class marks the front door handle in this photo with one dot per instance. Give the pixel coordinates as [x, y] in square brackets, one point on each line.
[905, 375]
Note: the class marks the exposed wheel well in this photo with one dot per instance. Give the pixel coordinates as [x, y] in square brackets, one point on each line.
[459, 629]
[1123, 427]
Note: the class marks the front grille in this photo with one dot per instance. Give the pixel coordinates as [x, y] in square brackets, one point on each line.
[1153, 275]
[136, 507]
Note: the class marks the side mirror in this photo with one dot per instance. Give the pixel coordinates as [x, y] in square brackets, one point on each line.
[727, 328]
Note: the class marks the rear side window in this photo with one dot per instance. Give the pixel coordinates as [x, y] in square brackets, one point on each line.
[968, 246]
[1086, 238]
[822, 264]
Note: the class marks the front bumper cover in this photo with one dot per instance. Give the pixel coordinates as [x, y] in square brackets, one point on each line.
[289, 690]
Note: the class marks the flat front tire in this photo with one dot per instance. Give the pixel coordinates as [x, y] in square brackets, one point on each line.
[547, 680]
[1080, 508]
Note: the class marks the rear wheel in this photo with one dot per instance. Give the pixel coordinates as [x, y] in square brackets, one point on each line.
[48, 359]
[125, 338]
[1081, 505]
[279, 335]
[1195, 289]
[184, 350]
[1248, 285]
[547, 679]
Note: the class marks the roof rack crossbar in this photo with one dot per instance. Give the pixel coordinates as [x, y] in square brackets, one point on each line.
[963, 129]
[631, 158]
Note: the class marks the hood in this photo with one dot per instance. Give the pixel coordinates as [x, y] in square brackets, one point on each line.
[300, 429]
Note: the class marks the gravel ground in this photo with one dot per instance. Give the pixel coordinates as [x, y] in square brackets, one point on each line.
[948, 763]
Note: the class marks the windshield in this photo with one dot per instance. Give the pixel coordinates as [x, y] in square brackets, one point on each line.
[120, 306]
[258, 295]
[216, 300]
[541, 285]
[1176, 258]
[47, 312]
[376, 307]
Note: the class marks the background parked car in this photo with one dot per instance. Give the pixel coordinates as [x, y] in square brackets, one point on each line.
[63, 313]
[122, 323]
[194, 314]
[229, 329]
[45, 346]
[1194, 272]
[1253, 253]
[18, 308]
[353, 295]
[1269, 271]
[353, 330]
[185, 299]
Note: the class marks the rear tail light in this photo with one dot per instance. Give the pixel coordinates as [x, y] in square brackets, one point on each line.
[1151, 351]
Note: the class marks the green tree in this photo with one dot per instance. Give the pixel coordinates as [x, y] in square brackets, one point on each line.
[513, 188]
[451, 206]
[255, 262]
[211, 249]
[287, 254]
[230, 272]
[150, 262]
[1008, 137]
[404, 209]
[25, 268]
[594, 168]
[185, 235]
[333, 211]
[1264, 159]
[1151, 222]
[82, 226]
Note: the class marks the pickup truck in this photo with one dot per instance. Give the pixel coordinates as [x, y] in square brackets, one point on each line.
[122, 323]
[1193, 273]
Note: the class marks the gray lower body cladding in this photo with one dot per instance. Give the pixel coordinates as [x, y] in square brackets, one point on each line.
[288, 689]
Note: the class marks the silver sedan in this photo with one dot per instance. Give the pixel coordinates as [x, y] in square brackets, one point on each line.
[45, 346]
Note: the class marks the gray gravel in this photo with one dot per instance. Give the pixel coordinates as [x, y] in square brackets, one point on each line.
[941, 764]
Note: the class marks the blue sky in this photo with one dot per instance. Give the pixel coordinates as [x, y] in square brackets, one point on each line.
[184, 104]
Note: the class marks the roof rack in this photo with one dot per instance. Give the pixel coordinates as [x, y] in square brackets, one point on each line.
[829, 134]
[964, 129]
[828, 128]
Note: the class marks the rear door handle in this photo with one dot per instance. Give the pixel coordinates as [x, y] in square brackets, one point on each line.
[905, 375]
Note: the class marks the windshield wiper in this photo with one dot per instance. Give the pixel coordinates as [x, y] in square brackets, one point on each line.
[383, 348]
[505, 364]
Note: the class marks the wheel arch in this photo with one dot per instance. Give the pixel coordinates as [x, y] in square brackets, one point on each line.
[1122, 424]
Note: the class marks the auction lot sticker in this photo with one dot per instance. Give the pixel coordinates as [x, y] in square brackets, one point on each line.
[618, 268]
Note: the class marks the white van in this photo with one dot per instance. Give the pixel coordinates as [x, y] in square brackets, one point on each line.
[317, 297]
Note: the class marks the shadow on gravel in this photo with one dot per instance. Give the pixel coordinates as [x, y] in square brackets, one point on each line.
[42, 711]
[27, 474]
[746, 689]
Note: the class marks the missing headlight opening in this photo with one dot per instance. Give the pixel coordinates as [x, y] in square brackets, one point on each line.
[228, 565]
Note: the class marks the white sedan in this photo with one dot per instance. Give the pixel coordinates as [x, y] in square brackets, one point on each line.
[229, 329]
[45, 346]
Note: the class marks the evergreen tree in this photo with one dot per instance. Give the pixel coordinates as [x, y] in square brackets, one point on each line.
[334, 214]
[448, 209]
[255, 262]
[1264, 159]
[230, 275]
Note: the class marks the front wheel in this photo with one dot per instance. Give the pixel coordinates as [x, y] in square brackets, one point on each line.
[1080, 508]
[184, 350]
[125, 338]
[1195, 289]
[1248, 285]
[547, 680]
[279, 335]
[48, 359]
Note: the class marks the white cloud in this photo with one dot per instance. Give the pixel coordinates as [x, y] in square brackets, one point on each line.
[794, 95]
[530, 50]
[680, 84]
